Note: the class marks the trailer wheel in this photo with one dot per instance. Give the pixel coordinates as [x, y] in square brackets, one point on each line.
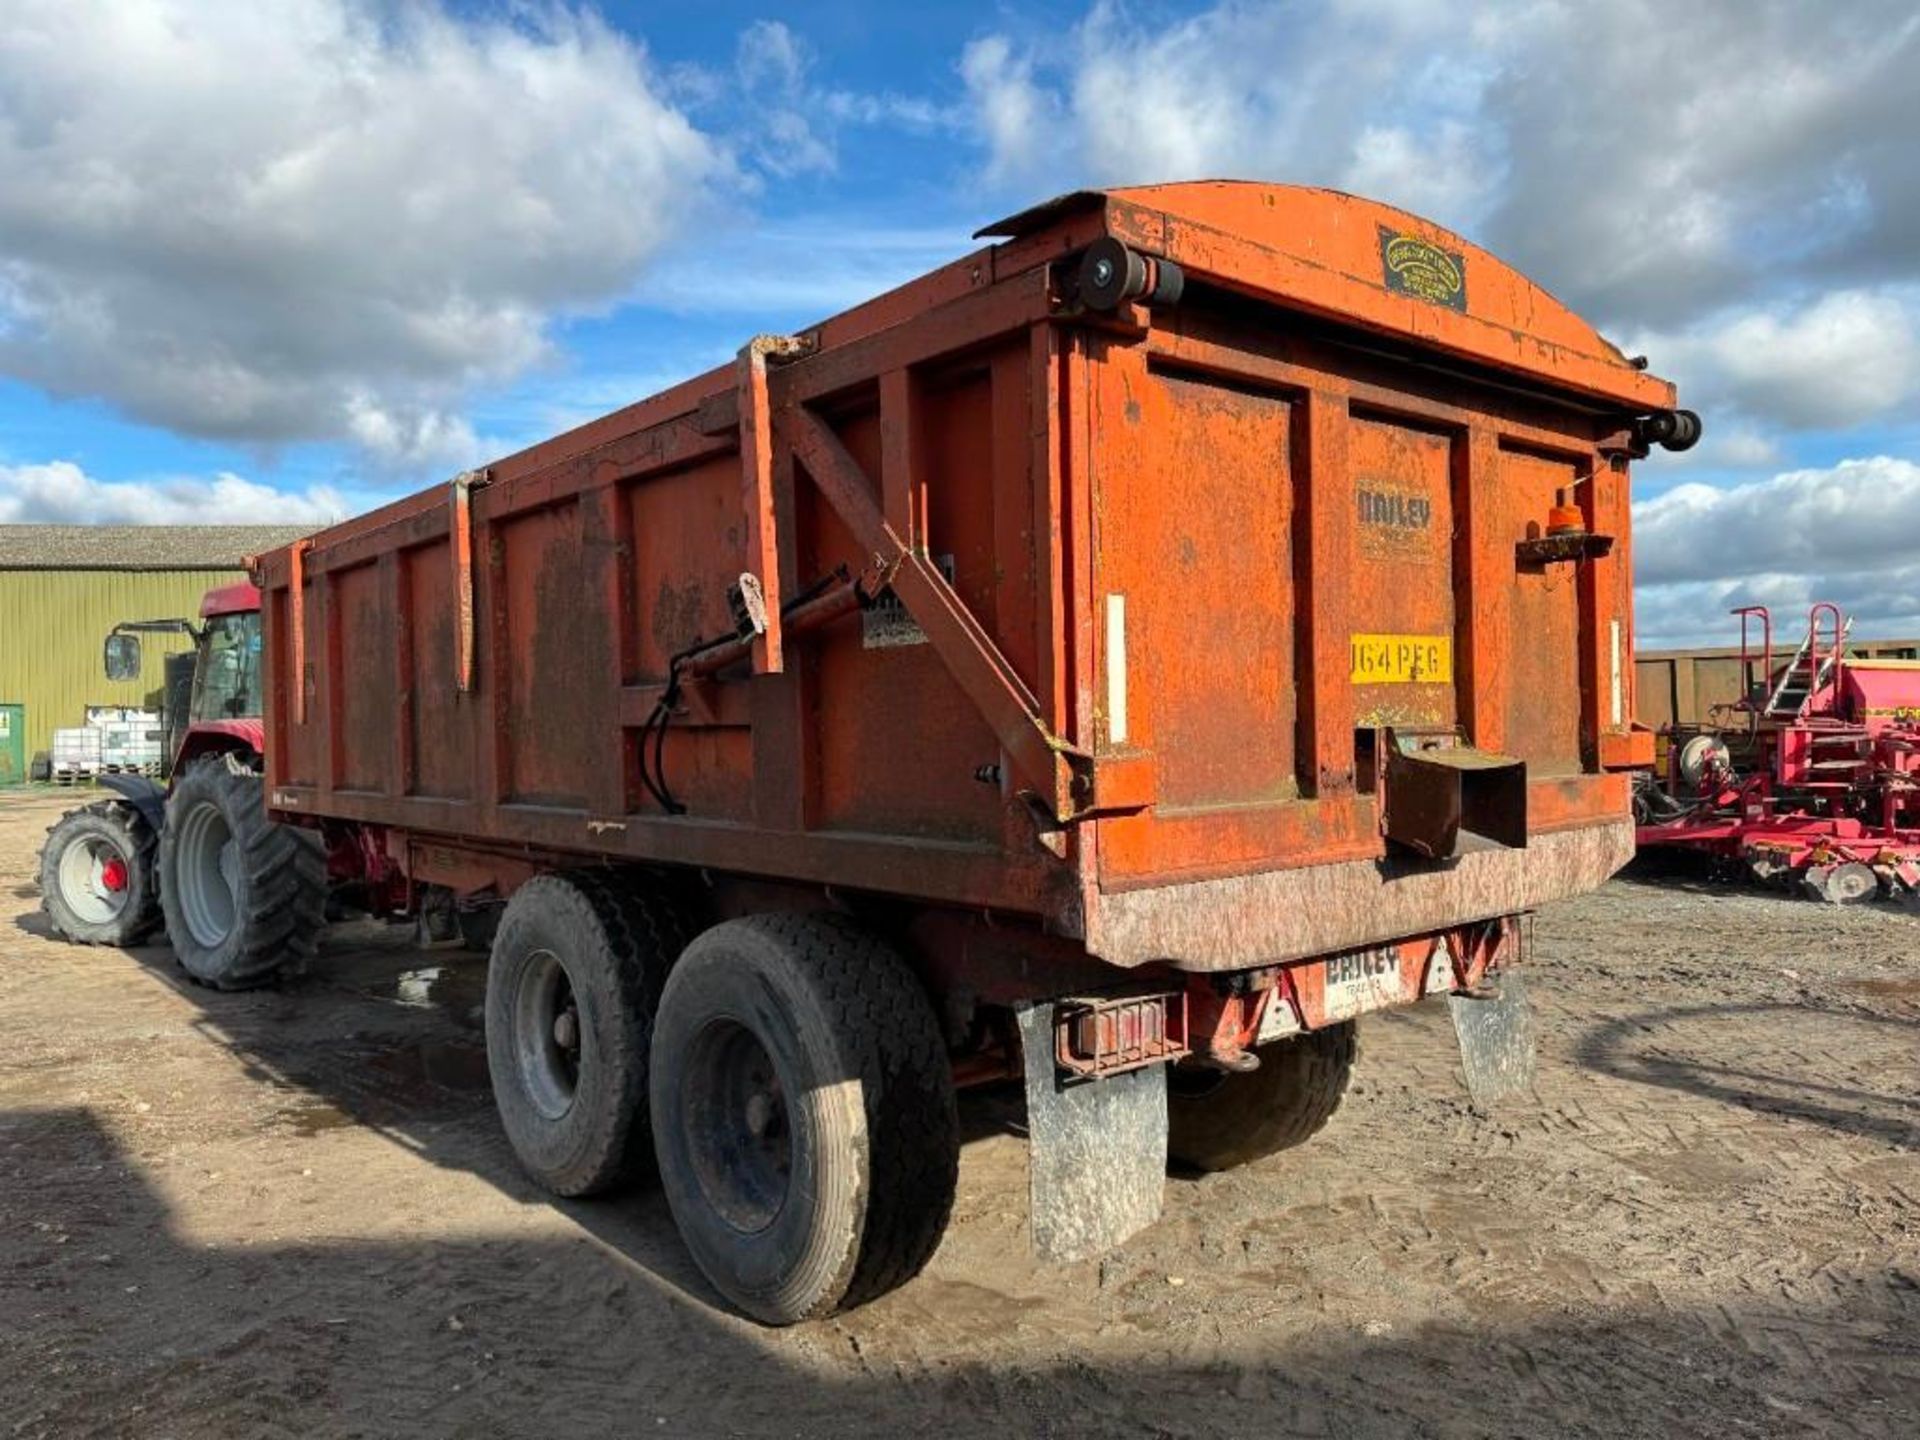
[96, 875]
[574, 979]
[804, 1115]
[1216, 1121]
[479, 924]
[243, 897]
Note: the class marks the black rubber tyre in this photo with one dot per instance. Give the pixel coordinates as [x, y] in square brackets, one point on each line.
[244, 898]
[804, 1115]
[97, 884]
[1216, 1121]
[478, 924]
[575, 977]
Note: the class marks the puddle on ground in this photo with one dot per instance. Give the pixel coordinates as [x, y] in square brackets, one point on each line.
[453, 982]
[308, 1118]
[445, 1064]
[424, 1079]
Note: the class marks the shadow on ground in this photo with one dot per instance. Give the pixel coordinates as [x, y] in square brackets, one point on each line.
[1652, 1047]
[482, 1338]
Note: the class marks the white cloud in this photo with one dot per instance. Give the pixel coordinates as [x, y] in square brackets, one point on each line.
[782, 120]
[413, 438]
[1366, 94]
[60, 492]
[1843, 358]
[1013, 111]
[1650, 162]
[1857, 515]
[1666, 159]
[241, 221]
[771, 63]
[1845, 533]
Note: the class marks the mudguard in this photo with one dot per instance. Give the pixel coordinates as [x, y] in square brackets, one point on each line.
[1097, 1149]
[149, 797]
[1495, 1030]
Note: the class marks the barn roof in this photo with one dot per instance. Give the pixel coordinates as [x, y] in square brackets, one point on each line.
[139, 547]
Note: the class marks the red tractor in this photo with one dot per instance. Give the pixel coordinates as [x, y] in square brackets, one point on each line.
[239, 895]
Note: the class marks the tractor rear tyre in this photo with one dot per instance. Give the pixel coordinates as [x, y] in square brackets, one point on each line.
[97, 883]
[1216, 1120]
[244, 898]
[804, 1115]
[575, 976]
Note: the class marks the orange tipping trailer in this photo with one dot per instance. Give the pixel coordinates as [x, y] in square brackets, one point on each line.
[1125, 654]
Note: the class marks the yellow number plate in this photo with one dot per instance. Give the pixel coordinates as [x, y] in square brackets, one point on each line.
[1402, 659]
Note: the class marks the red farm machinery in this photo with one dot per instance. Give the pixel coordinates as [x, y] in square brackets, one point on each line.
[1811, 779]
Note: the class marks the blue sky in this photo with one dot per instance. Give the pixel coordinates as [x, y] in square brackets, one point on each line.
[314, 254]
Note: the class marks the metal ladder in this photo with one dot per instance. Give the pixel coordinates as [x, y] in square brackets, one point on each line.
[1810, 668]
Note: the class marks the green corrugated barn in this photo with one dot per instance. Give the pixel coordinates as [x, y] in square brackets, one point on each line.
[63, 587]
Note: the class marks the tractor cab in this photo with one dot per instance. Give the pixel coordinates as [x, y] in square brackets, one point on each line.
[219, 704]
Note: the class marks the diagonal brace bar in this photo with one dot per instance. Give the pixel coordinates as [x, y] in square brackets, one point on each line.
[969, 653]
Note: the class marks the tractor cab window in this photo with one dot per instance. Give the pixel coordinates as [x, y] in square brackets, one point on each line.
[228, 684]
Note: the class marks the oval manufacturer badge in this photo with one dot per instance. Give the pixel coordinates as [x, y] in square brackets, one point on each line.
[1412, 266]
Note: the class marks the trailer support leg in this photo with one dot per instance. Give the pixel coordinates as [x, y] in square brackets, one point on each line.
[1495, 1030]
[1097, 1149]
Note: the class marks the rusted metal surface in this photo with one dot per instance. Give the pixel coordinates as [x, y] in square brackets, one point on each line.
[1089, 616]
[1440, 797]
[1098, 1036]
[1230, 923]
[460, 542]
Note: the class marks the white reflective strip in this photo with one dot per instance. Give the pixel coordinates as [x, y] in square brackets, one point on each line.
[1116, 669]
[1617, 715]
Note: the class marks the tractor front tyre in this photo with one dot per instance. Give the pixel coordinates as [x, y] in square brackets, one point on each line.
[96, 875]
[244, 898]
[1216, 1121]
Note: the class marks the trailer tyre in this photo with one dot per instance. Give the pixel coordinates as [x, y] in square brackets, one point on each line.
[803, 1110]
[577, 966]
[1216, 1121]
[243, 897]
[97, 883]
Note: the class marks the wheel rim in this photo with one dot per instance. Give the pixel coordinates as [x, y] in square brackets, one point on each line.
[94, 878]
[209, 873]
[737, 1125]
[548, 1036]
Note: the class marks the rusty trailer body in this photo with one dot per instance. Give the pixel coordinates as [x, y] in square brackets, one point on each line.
[1200, 585]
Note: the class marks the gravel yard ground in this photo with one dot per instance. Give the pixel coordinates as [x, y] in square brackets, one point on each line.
[292, 1212]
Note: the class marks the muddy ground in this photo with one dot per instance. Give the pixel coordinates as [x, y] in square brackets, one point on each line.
[292, 1213]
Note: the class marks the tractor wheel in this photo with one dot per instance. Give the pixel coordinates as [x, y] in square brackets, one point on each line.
[1217, 1120]
[243, 897]
[803, 1113]
[96, 875]
[575, 976]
